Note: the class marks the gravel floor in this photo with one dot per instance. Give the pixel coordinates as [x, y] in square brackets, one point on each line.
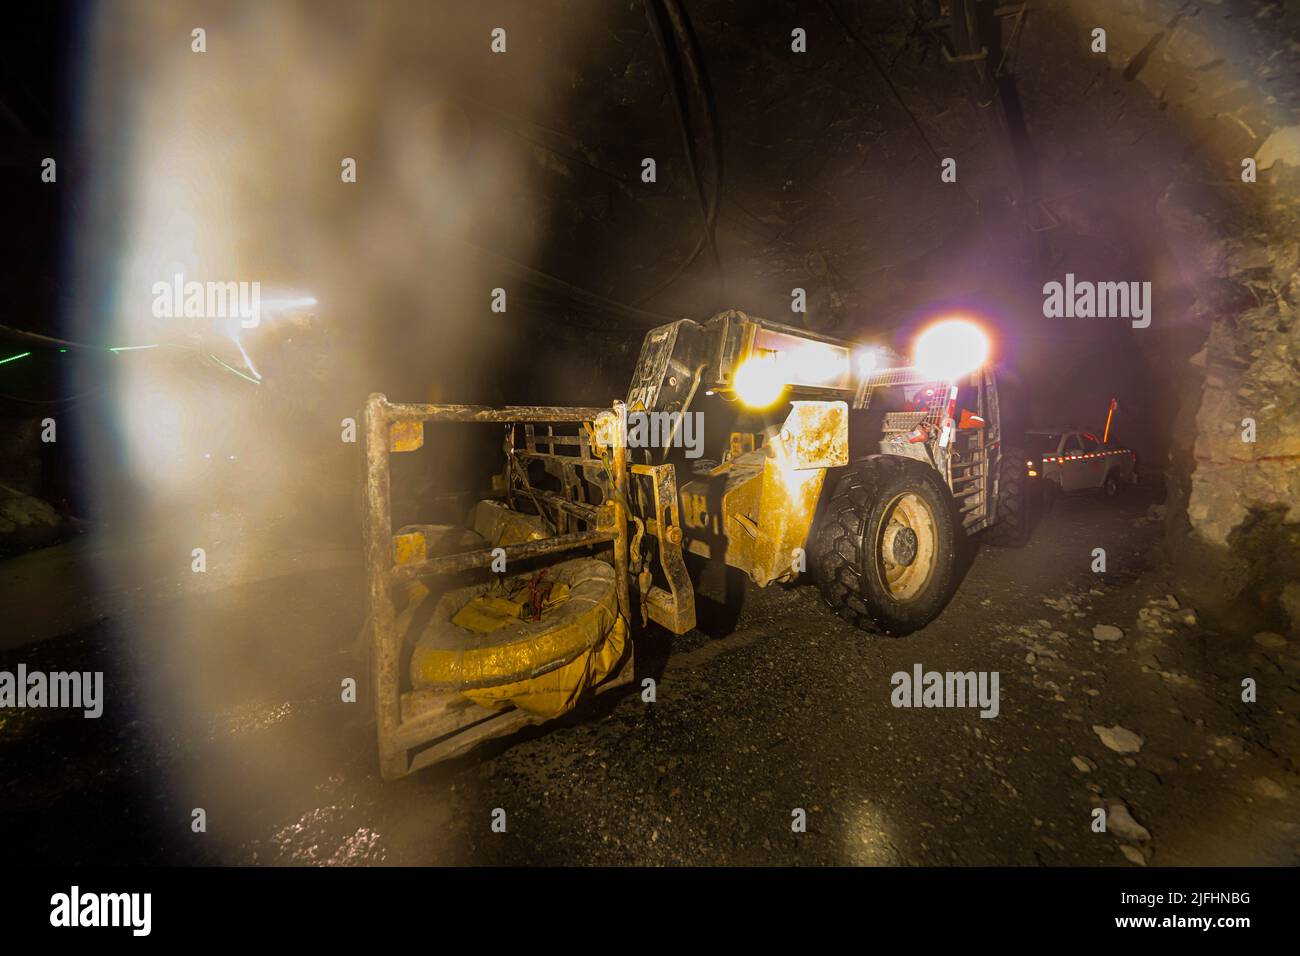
[232, 705]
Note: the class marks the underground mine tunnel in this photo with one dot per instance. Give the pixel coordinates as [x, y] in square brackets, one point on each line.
[678, 432]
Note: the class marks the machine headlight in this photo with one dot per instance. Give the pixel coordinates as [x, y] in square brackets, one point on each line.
[806, 361]
[779, 360]
[950, 349]
[816, 363]
[759, 381]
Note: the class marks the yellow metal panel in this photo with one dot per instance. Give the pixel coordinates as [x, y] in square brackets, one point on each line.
[770, 495]
[405, 436]
[816, 435]
[409, 547]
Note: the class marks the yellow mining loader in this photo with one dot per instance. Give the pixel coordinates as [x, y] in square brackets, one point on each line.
[836, 459]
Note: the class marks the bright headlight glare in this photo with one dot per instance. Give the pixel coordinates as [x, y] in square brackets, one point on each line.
[868, 360]
[950, 349]
[815, 363]
[759, 381]
[805, 361]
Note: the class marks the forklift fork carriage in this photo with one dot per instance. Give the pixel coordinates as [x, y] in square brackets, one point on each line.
[443, 723]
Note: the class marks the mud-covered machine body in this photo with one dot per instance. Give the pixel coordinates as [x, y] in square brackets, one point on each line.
[742, 442]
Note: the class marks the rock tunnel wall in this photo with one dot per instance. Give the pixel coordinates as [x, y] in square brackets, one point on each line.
[1223, 74]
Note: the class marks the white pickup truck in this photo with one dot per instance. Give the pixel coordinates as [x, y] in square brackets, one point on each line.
[1072, 460]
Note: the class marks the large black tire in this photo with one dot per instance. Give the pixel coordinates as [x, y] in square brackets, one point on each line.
[887, 505]
[1012, 525]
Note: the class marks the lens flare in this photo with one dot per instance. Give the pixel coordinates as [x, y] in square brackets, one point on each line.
[759, 381]
[950, 349]
[868, 360]
[815, 363]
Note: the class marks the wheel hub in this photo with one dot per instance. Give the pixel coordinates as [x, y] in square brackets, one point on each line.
[907, 547]
[900, 545]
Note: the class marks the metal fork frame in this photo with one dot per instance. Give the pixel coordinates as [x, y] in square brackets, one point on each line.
[417, 718]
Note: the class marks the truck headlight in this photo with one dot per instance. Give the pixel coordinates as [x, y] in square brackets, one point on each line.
[950, 349]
